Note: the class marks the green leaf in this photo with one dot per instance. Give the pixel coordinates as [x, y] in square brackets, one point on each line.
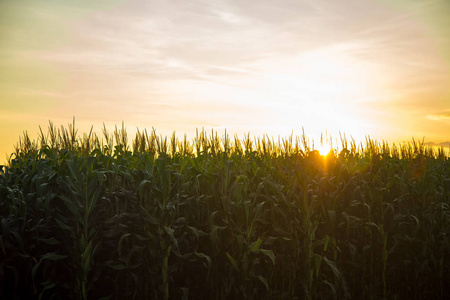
[119, 246]
[326, 240]
[268, 253]
[255, 245]
[141, 187]
[208, 260]
[232, 261]
[72, 204]
[47, 256]
[264, 281]
[148, 217]
[86, 256]
[169, 231]
[197, 232]
[95, 196]
[63, 225]
[47, 287]
[331, 286]
[333, 267]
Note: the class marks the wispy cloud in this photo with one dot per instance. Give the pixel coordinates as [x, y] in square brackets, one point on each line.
[439, 117]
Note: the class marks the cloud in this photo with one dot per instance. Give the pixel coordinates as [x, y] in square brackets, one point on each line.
[174, 39]
[439, 117]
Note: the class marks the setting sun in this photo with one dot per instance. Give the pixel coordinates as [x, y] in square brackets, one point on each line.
[322, 90]
[324, 149]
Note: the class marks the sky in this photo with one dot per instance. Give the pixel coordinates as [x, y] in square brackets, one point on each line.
[373, 68]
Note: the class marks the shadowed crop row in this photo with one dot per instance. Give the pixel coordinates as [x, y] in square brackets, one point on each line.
[221, 218]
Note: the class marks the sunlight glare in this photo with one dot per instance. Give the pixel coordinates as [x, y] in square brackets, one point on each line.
[321, 90]
[324, 149]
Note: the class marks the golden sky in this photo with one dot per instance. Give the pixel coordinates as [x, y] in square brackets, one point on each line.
[362, 67]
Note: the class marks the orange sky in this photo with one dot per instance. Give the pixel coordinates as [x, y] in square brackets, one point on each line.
[378, 68]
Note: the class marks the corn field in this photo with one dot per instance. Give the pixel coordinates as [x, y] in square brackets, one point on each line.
[84, 217]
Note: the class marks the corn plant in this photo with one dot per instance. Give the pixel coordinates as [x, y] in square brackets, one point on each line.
[90, 217]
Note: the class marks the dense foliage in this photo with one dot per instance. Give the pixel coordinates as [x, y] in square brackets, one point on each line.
[222, 219]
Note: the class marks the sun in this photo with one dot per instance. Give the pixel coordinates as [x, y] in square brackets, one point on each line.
[321, 90]
[324, 149]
